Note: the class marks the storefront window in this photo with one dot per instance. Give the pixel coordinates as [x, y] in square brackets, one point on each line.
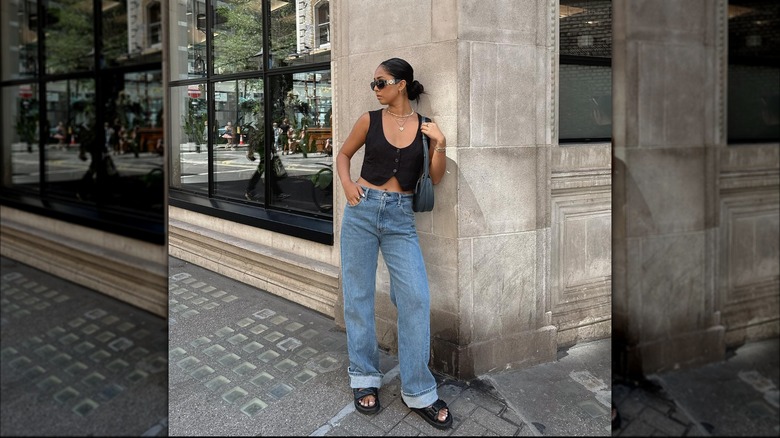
[231, 157]
[83, 141]
[302, 102]
[585, 72]
[753, 71]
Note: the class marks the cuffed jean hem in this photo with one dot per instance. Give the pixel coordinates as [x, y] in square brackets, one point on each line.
[421, 400]
[363, 381]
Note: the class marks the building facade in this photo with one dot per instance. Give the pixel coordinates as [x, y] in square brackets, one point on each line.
[83, 187]
[517, 247]
[696, 188]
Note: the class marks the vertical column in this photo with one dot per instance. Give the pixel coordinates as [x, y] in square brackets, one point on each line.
[666, 138]
[506, 117]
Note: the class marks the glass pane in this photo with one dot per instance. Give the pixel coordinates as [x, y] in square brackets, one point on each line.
[585, 75]
[188, 39]
[754, 71]
[20, 24]
[189, 163]
[20, 136]
[69, 38]
[302, 103]
[585, 95]
[131, 32]
[238, 36]
[239, 139]
[133, 141]
[586, 28]
[70, 121]
[299, 34]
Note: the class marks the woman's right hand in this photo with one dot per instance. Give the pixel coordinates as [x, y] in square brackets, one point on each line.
[353, 192]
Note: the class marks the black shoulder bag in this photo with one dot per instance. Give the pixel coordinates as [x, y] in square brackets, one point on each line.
[423, 191]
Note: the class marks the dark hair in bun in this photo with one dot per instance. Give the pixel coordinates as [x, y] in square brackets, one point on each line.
[401, 69]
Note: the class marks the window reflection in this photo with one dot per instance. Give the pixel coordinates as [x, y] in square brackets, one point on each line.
[189, 167]
[239, 139]
[238, 36]
[69, 36]
[302, 111]
[585, 72]
[132, 32]
[21, 60]
[21, 136]
[300, 32]
[118, 164]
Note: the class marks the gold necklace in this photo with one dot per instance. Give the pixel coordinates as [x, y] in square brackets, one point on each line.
[399, 117]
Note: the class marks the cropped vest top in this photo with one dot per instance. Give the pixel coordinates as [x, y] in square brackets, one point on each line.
[382, 160]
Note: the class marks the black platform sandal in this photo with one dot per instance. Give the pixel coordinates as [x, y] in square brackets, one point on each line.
[431, 414]
[359, 393]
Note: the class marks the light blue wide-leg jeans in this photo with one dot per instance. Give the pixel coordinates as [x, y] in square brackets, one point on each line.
[385, 221]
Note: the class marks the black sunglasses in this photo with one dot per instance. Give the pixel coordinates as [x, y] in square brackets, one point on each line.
[381, 83]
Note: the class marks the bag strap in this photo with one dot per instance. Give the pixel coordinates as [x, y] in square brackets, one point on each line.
[426, 162]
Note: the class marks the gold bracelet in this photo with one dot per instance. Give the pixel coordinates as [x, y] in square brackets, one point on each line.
[444, 149]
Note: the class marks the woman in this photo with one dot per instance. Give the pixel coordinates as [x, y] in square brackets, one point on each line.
[284, 129]
[228, 135]
[379, 216]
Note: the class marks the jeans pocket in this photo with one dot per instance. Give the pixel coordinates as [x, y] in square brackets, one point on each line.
[406, 207]
[360, 201]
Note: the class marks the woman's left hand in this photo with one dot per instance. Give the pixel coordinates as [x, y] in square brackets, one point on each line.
[431, 129]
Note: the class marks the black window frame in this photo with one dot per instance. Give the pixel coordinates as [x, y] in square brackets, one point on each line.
[141, 226]
[265, 215]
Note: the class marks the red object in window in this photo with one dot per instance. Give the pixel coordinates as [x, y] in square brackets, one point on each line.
[193, 91]
[25, 92]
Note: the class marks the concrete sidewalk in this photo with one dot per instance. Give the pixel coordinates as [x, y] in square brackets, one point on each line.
[246, 362]
[735, 397]
[77, 362]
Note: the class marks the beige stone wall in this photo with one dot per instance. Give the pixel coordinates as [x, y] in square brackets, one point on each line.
[696, 220]
[127, 269]
[517, 248]
[299, 270]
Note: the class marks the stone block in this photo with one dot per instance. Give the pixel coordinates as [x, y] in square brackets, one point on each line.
[444, 20]
[665, 191]
[365, 36]
[497, 190]
[483, 95]
[515, 111]
[674, 21]
[441, 263]
[500, 21]
[670, 288]
[504, 288]
[519, 351]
